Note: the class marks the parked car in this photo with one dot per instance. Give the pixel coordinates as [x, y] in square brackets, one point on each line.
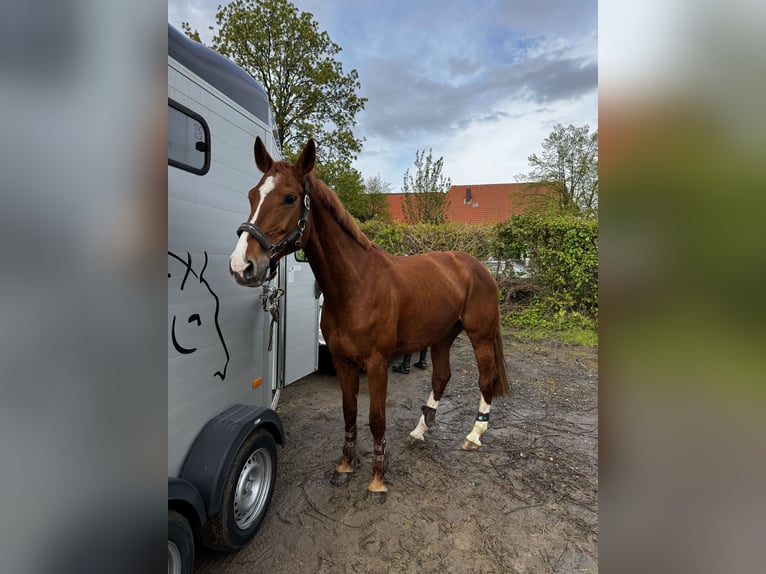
[520, 267]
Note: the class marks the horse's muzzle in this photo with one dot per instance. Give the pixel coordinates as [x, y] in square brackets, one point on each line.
[253, 275]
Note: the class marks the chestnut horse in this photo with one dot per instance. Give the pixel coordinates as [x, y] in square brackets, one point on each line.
[375, 304]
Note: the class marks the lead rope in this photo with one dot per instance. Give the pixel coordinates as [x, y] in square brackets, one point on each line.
[270, 301]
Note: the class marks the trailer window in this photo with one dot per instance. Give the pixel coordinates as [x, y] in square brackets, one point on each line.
[188, 139]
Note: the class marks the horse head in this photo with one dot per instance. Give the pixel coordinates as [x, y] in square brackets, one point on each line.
[279, 221]
[195, 324]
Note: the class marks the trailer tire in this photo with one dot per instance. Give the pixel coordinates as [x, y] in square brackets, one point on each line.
[246, 495]
[180, 544]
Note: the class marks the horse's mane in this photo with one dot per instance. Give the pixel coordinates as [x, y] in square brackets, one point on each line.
[329, 199]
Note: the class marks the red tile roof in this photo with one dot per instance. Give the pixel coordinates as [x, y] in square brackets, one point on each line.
[489, 203]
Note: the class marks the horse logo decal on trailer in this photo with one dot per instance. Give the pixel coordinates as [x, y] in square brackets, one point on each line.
[191, 330]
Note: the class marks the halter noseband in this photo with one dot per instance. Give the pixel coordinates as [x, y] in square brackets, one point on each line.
[294, 237]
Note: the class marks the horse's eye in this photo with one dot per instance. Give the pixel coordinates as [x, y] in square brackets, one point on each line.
[290, 199]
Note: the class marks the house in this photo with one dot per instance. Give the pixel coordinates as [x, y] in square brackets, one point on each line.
[482, 203]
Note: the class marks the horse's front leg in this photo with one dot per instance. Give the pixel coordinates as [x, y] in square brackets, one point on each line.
[377, 377]
[348, 377]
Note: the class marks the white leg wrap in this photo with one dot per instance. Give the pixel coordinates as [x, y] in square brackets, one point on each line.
[479, 427]
[420, 430]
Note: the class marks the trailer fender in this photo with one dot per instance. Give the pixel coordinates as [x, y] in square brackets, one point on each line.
[213, 451]
[184, 497]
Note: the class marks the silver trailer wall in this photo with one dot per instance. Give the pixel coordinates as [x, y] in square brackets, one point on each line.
[216, 347]
[224, 374]
[218, 330]
[217, 343]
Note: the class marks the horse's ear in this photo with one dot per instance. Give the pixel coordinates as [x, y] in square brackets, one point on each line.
[305, 162]
[262, 158]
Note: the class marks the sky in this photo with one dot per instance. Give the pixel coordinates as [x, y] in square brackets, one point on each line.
[481, 84]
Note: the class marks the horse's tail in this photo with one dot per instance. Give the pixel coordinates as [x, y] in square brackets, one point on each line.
[500, 385]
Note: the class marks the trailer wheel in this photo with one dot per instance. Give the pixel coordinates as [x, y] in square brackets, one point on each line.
[180, 544]
[246, 494]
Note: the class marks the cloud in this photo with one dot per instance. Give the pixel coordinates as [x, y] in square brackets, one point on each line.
[491, 149]
[200, 14]
[496, 151]
[460, 66]
[551, 80]
[482, 85]
[402, 103]
[553, 17]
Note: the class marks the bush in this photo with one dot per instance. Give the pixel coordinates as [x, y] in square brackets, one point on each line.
[403, 239]
[564, 253]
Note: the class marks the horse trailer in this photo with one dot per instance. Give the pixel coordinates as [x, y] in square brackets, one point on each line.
[230, 350]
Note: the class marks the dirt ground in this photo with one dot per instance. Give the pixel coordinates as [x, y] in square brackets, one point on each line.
[526, 502]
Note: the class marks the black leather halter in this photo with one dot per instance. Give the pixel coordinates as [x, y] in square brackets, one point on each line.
[291, 239]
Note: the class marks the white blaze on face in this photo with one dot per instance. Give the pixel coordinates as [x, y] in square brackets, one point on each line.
[238, 258]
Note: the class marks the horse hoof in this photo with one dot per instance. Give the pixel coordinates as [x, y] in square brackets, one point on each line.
[469, 445]
[417, 436]
[377, 497]
[340, 478]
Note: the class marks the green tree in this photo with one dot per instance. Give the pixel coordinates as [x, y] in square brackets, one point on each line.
[376, 192]
[568, 165]
[425, 197]
[309, 93]
[347, 183]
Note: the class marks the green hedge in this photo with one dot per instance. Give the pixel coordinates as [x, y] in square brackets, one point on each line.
[563, 249]
[564, 254]
[404, 239]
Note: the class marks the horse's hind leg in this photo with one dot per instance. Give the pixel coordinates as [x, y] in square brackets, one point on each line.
[439, 379]
[485, 358]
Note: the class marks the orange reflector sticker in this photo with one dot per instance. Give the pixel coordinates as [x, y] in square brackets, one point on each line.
[257, 382]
